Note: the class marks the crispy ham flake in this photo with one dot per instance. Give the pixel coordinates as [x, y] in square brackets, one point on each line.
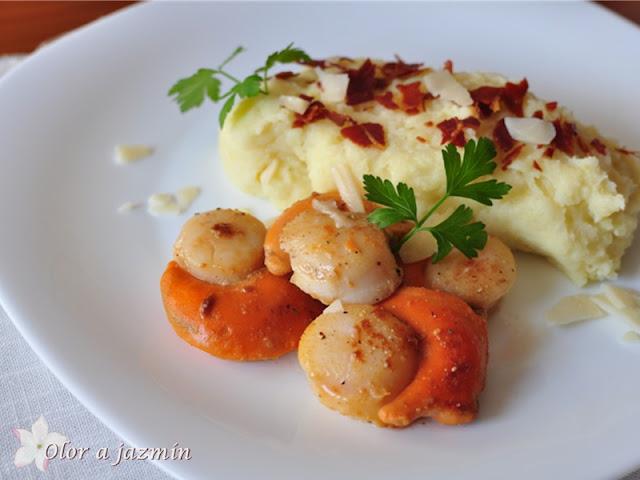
[361, 83]
[489, 99]
[317, 111]
[501, 136]
[412, 97]
[600, 147]
[511, 156]
[565, 136]
[386, 100]
[285, 75]
[392, 70]
[551, 106]
[365, 134]
[513, 96]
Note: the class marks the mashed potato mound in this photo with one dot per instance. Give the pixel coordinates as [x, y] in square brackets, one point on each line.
[578, 210]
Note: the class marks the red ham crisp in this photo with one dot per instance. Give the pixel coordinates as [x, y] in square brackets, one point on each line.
[600, 147]
[448, 66]
[386, 100]
[565, 135]
[511, 156]
[285, 75]
[361, 83]
[538, 114]
[458, 139]
[315, 63]
[376, 133]
[502, 137]
[625, 151]
[392, 70]
[549, 152]
[551, 106]
[317, 111]
[452, 131]
[314, 112]
[337, 118]
[583, 146]
[487, 99]
[470, 122]
[537, 166]
[365, 134]
[412, 97]
[448, 128]
[513, 96]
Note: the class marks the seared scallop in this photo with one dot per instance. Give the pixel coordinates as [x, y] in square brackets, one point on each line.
[221, 246]
[479, 281]
[358, 359]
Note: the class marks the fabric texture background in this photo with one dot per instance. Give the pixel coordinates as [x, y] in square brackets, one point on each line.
[28, 390]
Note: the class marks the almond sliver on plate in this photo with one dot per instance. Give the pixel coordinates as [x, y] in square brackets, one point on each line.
[575, 308]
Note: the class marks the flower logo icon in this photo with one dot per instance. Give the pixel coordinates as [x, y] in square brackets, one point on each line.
[34, 443]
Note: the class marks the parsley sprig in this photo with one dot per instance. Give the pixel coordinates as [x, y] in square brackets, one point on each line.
[190, 92]
[458, 230]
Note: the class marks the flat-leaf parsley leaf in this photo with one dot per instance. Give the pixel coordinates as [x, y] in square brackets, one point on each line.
[190, 92]
[457, 230]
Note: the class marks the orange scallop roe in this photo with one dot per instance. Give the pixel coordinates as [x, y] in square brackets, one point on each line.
[259, 318]
[452, 371]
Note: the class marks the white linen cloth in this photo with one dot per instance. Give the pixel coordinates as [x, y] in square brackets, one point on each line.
[28, 390]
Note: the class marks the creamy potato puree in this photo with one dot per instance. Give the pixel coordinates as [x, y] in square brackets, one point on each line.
[578, 211]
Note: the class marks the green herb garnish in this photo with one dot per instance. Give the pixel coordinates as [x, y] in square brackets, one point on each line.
[191, 91]
[399, 203]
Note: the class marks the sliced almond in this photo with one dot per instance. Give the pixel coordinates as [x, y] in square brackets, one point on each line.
[126, 154]
[530, 130]
[619, 297]
[268, 173]
[295, 104]
[632, 315]
[347, 187]
[127, 207]
[330, 208]
[335, 307]
[186, 196]
[162, 204]
[333, 86]
[631, 337]
[575, 308]
[445, 85]
[620, 301]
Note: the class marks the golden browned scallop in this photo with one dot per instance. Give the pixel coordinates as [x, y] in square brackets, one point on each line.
[358, 359]
[221, 246]
[480, 281]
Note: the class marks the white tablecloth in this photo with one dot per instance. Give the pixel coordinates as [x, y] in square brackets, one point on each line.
[28, 390]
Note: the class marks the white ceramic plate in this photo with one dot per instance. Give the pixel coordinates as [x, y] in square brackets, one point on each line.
[81, 282]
